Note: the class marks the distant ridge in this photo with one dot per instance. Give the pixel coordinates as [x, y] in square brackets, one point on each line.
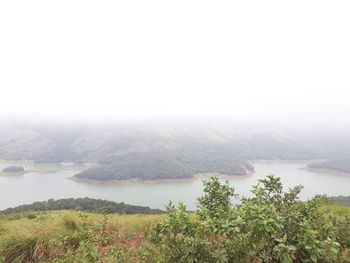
[83, 204]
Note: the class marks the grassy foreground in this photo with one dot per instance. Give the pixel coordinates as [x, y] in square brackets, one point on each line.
[59, 236]
[271, 227]
[70, 236]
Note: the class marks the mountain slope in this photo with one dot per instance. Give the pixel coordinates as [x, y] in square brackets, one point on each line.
[172, 149]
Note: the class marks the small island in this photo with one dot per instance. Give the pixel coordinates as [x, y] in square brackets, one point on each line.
[336, 165]
[163, 169]
[13, 169]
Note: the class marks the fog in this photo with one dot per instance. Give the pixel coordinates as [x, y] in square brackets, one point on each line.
[276, 61]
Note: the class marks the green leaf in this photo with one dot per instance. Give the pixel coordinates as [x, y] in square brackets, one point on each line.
[290, 247]
[286, 258]
[313, 258]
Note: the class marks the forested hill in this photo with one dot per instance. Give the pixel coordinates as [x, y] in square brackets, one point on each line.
[164, 166]
[83, 204]
[341, 165]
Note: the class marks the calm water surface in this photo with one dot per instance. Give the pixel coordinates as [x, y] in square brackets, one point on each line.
[38, 186]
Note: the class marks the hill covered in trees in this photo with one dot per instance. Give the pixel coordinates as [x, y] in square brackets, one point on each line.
[165, 166]
[341, 165]
[83, 204]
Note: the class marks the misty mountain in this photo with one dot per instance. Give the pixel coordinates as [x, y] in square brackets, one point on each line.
[105, 143]
[185, 146]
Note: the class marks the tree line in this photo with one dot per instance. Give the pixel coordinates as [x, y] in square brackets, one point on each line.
[83, 204]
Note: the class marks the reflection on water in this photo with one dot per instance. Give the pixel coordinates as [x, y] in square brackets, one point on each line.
[47, 181]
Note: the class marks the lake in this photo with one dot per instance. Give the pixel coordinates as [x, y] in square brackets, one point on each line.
[47, 181]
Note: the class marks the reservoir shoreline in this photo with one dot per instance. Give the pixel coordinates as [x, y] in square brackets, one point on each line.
[324, 170]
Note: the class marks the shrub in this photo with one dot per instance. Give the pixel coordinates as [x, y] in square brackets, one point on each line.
[70, 223]
[31, 215]
[272, 226]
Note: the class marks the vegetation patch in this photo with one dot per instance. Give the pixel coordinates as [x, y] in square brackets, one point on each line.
[13, 169]
[272, 226]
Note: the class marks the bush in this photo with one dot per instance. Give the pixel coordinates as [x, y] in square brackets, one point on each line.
[31, 215]
[272, 226]
[70, 223]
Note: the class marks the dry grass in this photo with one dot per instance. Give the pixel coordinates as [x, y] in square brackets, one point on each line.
[49, 235]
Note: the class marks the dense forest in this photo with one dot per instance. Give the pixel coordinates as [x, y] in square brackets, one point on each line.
[163, 166]
[342, 165]
[83, 204]
[139, 168]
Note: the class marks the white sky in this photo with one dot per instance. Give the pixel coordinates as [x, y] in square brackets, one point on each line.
[115, 58]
